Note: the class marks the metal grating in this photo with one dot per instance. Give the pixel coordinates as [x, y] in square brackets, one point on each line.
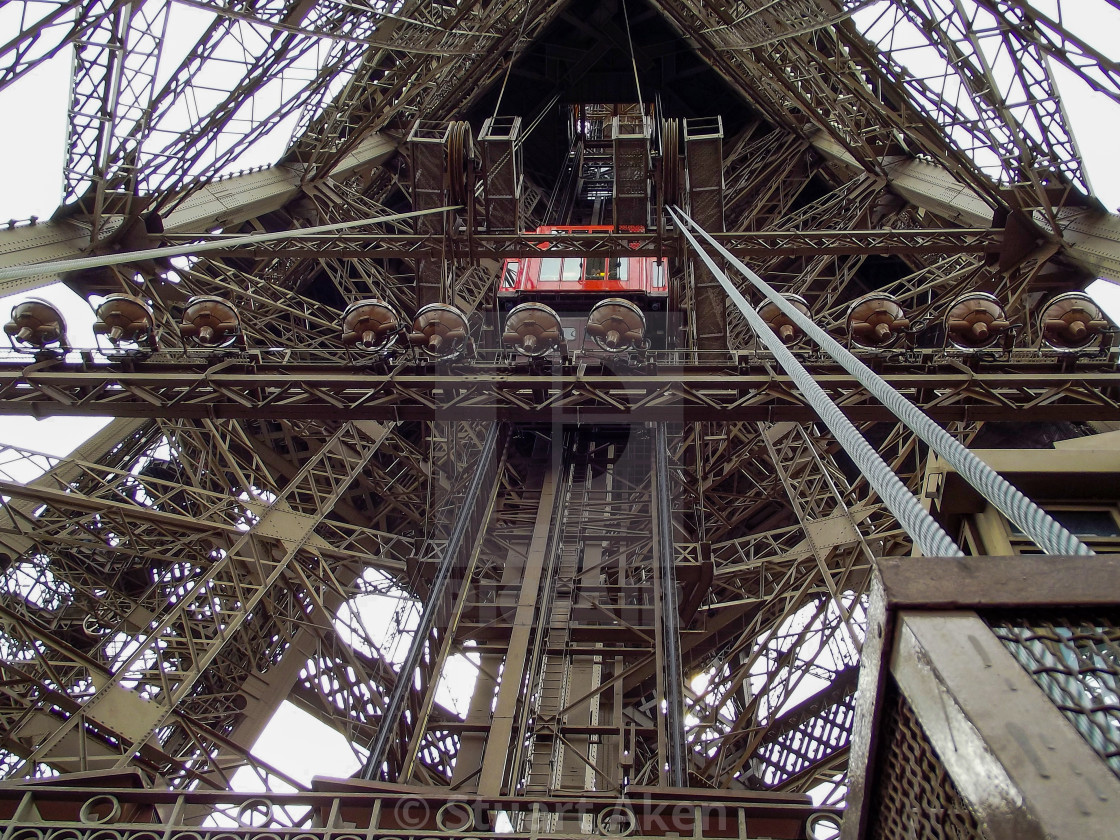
[705, 179]
[914, 796]
[1076, 662]
[808, 743]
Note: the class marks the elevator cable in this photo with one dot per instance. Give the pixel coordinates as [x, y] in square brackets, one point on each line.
[394, 705]
[927, 534]
[19, 272]
[512, 59]
[1047, 533]
[676, 749]
[637, 81]
[633, 58]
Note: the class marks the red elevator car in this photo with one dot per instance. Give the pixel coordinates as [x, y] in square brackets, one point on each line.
[589, 293]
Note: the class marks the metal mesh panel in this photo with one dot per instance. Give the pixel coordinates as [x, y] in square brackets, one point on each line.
[813, 740]
[914, 796]
[503, 167]
[705, 174]
[1076, 662]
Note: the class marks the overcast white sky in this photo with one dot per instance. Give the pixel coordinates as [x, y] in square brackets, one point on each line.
[32, 146]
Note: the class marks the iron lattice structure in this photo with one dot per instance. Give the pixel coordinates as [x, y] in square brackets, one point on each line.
[190, 567]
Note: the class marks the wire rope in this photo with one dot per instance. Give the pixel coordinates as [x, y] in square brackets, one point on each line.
[927, 534]
[633, 60]
[512, 58]
[1043, 529]
[20, 272]
[396, 701]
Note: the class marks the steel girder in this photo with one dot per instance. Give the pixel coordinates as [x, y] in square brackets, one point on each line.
[753, 245]
[780, 594]
[1038, 390]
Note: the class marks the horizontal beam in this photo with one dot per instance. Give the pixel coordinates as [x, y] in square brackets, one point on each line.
[507, 246]
[953, 583]
[225, 202]
[1090, 236]
[412, 811]
[589, 393]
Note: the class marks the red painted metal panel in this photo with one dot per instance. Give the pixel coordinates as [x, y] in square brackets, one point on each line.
[587, 275]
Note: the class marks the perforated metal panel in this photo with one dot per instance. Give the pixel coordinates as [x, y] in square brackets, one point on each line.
[631, 170]
[502, 166]
[1076, 661]
[914, 796]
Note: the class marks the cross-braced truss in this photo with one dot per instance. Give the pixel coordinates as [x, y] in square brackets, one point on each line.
[206, 556]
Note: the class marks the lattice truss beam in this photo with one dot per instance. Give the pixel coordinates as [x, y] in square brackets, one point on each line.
[964, 82]
[148, 118]
[162, 594]
[214, 608]
[968, 84]
[159, 520]
[180, 576]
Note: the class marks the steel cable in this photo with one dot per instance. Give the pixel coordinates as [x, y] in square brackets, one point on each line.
[927, 534]
[1047, 533]
[397, 700]
[676, 748]
[20, 272]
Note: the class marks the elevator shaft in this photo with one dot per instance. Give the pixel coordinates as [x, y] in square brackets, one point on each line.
[580, 703]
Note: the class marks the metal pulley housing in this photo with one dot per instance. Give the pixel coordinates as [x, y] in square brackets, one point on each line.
[781, 323]
[616, 325]
[975, 320]
[371, 324]
[533, 329]
[1071, 321]
[441, 329]
[876, 321]
[36, 325]
[210, 321]
[124, 319]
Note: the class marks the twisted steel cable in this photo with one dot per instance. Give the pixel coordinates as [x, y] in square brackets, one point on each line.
[927, 534]
[1043, 529]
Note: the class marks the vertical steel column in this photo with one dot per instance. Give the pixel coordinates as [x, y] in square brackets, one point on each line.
[502, 172]
[427, 146]
[703, 145]
[670, 618]
[505, 746]
[630, 138]
[447, 563]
